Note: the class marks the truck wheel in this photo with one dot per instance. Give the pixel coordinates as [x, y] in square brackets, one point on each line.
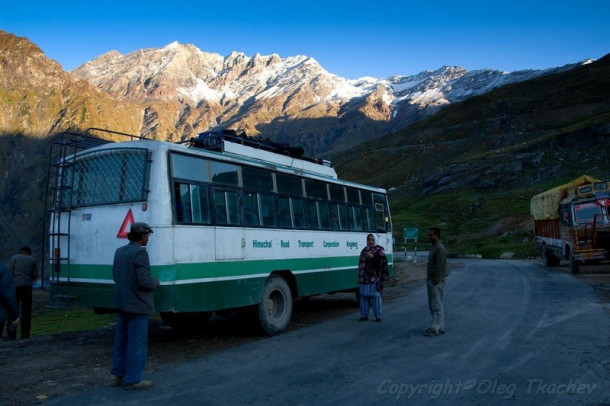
[548, 259]
[554, 260]
[574, 264]
[545, 257]
[275, 309]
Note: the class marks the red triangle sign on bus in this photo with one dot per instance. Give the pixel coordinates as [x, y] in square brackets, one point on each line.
[126, 223]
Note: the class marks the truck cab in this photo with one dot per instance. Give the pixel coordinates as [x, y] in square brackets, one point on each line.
[585, 226]
[572, 222]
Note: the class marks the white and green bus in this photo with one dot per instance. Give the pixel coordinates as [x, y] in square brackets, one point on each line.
[235, 225]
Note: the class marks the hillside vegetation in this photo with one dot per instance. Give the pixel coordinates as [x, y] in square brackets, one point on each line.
[473, 167]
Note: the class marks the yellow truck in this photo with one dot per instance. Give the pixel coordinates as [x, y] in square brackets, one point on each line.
[572, 222]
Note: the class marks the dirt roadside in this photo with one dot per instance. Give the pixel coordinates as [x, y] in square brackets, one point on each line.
[45, 367]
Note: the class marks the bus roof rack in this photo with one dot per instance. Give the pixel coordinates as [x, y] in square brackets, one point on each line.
[213, 140]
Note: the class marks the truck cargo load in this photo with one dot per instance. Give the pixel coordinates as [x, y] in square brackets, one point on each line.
[544, 206]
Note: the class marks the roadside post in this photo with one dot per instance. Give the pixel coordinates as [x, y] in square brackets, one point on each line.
[411, 234]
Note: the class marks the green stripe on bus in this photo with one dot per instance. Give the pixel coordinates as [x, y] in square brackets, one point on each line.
[206, 296]
[198, 294]
[216, 269]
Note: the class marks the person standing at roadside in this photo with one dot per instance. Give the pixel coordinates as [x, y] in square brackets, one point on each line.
[372, 274]
[435, 282]
[8, 304]
[23, 267]
[133, 298]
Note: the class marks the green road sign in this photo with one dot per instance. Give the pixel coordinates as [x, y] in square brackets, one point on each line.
[410, 233]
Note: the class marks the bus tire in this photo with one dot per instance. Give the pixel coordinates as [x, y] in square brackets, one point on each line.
[275, 309]
[574, 265]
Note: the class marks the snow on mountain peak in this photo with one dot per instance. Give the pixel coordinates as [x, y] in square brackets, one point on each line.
[184, 73]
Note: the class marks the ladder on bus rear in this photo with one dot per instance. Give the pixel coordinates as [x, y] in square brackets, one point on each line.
[58, 201]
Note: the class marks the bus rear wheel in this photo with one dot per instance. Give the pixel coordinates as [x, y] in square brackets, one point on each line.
[275, 309]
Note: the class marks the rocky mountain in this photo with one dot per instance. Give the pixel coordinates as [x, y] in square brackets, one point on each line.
[184, 91]
[556, 125]
[38, 98]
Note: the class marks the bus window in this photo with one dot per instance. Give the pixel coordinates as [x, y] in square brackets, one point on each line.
[325, 217]
[370, 219]
[337, 193]
[224, 173]
[367, 197]
[250, 201]
[357, 211]
[284, 219]
[334, 218]
[109, 177]
[226, 207]
[289, 184]
[344, 224]
[299, 214]
[353, 195]
[379, 217]
[200, 203]
[257, 179]
[190, 168]
[351, 226]
[316, 188]
[312, 211]
[267, 210]
[183, 203]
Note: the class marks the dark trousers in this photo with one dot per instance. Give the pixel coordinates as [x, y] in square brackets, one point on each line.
[24, 301]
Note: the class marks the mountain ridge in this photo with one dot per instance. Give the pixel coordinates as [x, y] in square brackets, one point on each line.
[177, 91]
[250, 93]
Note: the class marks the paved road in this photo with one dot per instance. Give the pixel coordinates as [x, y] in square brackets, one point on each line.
[517, 333]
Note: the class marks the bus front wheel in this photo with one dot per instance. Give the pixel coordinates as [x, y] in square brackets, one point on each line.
[275, 309]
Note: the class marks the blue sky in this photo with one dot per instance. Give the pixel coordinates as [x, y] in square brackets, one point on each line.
[351, 39]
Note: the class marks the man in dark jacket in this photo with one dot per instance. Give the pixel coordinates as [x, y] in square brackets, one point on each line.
[133, 297]
[8, 303]
[435, 282]
[23, 267]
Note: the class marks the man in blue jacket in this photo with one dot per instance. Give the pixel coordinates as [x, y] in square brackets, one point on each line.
[133, 298]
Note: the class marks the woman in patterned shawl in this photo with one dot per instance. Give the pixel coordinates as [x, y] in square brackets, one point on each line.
[372, 274]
